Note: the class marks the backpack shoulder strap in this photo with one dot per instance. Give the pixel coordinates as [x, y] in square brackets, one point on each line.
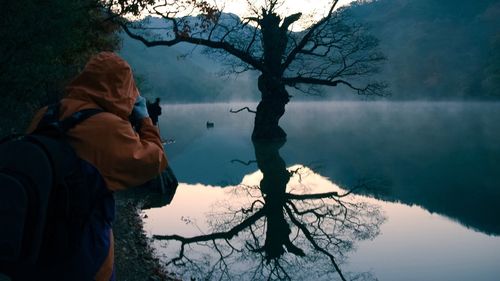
[50, 121]
[51, 115]
[78, 117]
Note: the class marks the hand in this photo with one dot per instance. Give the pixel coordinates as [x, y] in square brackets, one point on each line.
[140, 110]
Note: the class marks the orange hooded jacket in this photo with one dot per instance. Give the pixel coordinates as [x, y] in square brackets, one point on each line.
[107, 140]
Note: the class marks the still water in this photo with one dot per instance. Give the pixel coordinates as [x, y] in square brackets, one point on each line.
[360, 191]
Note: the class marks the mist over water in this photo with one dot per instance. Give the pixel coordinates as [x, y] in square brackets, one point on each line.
[447, 149]
[431, 169]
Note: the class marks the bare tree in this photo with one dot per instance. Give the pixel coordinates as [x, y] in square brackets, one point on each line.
[332, 51]
[278, 234]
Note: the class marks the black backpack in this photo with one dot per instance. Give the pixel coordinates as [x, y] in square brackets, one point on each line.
[45, 198]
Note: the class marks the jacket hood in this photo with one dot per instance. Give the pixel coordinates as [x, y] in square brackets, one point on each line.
[107, 81]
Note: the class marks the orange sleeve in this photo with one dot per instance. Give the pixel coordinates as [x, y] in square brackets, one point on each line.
[123, 157]
[149, 132]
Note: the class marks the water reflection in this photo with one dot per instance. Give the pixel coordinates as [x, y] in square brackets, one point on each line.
[287, 226]
[438, 161]
[444, 157]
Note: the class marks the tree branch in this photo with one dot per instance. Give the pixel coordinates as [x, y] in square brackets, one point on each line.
[370, 89]
[291, 57]
[242, 55]
[241, 109]
[290, 20]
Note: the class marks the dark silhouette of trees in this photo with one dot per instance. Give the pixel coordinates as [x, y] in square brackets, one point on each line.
[332, 51]
[44, 44]
[278, 234]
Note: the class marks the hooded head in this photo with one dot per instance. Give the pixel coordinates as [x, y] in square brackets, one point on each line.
[107, 81]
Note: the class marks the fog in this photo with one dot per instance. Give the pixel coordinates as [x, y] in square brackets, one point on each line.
[442, 156]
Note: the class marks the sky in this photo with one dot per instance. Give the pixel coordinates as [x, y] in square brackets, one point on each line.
[311, 9]
[239, 6]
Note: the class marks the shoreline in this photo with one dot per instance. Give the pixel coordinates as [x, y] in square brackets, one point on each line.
[135, 258]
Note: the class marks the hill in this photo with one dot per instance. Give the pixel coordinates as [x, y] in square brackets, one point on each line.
[435, 49]
[182, 74]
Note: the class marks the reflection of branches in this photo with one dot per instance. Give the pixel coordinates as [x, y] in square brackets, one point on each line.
[210, 237]
[311, 239]
[296, 172]
[247, 163]
[313, 196]
[280, 233]
[326, 221]
[361, 186]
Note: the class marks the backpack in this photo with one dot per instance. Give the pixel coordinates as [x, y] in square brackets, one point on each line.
[48, 196]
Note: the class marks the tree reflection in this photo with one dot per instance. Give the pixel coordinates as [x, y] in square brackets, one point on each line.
[279, 232]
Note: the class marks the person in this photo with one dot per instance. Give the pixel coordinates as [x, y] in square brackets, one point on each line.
[154, 110]
[123, 157]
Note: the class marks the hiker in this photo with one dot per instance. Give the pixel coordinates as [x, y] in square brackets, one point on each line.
[154, 110]
[107, 141]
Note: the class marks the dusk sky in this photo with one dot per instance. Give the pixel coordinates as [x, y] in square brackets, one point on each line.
[311, 9]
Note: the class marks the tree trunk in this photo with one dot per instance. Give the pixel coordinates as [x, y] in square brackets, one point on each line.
[274, 94]
[273, 187]
[270, 110]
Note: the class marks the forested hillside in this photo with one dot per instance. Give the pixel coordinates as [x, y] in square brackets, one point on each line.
[437, 49]
[182, 74]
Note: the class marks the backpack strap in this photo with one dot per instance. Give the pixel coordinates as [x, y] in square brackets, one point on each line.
[78, 117]
[51, 115]
[50, 122]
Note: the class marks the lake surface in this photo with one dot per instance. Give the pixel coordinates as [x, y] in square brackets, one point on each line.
[360, 191]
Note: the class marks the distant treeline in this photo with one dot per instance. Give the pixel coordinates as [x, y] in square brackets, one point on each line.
[43, 44]
[437, 49]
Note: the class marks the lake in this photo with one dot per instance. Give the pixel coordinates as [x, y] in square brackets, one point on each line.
[359, 191]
